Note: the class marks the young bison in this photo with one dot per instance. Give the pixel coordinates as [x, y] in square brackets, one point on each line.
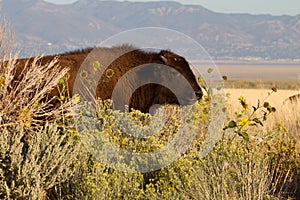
[97, 72]
[294, 99]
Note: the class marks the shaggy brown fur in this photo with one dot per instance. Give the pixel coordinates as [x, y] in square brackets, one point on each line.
[95, 72]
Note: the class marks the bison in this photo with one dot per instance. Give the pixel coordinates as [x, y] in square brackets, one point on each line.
[294, 99]
[96, 72]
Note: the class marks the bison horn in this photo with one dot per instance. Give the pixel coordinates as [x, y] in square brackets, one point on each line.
[165, 60]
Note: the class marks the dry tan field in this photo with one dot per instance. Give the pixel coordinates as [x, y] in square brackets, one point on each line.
[287, 115]
[252, 95]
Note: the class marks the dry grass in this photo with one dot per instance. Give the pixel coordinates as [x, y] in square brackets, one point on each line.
[35, 156]
[29, 90]
[280, 127]
[6, 38]
[24, 94]
[287, 115]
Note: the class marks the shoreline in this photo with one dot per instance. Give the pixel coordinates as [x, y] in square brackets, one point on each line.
[256, 70]
[261, 72]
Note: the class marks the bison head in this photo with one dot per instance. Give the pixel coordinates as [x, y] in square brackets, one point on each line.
[182, 67]
[169, 80]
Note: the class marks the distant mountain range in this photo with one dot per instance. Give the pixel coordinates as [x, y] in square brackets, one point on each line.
[48, 28]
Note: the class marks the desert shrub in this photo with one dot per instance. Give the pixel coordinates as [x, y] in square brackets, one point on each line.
[280, 151]
[101, 181]
[36, 156]
[28, 170]
[95, 180]
[245, 164]
[23, 98]
[285, 162]
[233, 172]
[226, 173]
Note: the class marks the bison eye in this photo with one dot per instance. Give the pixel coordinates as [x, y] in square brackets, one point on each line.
[177, 59]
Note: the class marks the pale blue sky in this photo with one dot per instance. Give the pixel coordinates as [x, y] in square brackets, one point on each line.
[275, 7]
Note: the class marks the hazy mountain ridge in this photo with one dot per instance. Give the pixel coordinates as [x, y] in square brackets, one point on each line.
[54, 28]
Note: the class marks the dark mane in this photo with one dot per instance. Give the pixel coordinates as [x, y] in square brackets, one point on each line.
[77, 51]
[89, 49]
